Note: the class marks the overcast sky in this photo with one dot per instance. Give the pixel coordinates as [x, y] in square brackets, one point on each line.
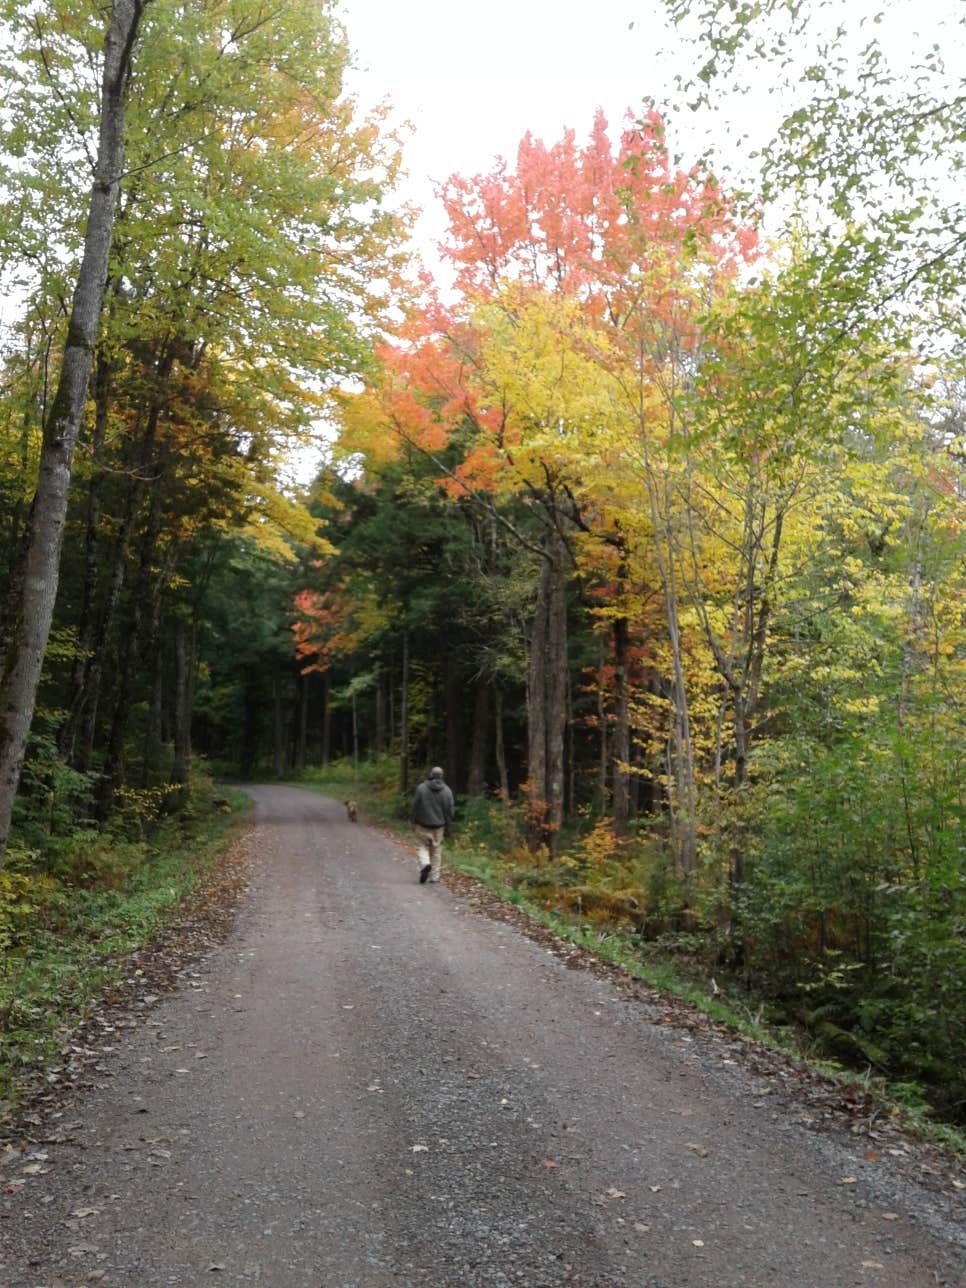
[473, 78]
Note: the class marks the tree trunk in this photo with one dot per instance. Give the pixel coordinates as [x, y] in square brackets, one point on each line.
[603, 755]
[182, 710]
[34, 610]
[152, 735]
[621, 747]
[129, 657]
[248, 761]
[278, 726]
[476, 772]
[620, 796]
[303, 725]
[453, 725]
[499, 747]
[326, 719]
[537, 714]
[547, 701]
[12, 559]
[82, 724]
[404, 719]
[88, 612]
[557, 684]
[380, 712]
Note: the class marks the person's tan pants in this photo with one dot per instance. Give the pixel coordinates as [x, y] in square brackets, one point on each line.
[430, 848]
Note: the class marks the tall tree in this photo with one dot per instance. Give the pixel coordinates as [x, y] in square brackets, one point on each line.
[34, 589]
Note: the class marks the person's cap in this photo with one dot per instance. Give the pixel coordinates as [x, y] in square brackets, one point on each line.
[436, 772]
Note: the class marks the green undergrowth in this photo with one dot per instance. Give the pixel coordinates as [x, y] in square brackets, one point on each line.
[73, 909]
[626, 912]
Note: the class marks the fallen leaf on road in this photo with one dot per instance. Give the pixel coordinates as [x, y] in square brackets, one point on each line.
[873, 1265]
[871, 1155]
[82, 1212]
[615, 1194]
[695, 1148]
[683, 1112]
[699, 1243]
[217, 1265]
[848, 1180]
[420, 1149]
[654, 1188]
[890, 1216]
[34, 1169]
[960, 1185]
[375, 1089]
[549, 1162]
[300, 1113]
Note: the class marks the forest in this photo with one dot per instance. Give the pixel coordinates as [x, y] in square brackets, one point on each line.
[645, 519]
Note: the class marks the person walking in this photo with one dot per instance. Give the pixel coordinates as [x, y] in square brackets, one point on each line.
[432, 809]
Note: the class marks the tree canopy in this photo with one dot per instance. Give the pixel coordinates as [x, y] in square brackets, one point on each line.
[647, 524]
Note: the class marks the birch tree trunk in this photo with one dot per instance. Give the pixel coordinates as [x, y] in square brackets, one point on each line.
[34, 608]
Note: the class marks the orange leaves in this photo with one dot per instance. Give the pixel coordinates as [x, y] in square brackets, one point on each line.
[480, 471]
[582, 219]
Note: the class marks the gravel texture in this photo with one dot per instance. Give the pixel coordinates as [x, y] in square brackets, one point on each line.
[372, 1084]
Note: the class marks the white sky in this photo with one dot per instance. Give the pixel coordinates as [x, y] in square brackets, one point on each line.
[473, 78]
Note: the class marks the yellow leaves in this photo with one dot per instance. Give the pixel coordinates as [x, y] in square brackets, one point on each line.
[867, 706]
[276, 523]
[365, 429]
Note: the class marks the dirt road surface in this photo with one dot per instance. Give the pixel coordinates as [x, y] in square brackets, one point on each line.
[371, 1084]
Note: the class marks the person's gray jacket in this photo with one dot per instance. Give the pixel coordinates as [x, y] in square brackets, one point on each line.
[432, 804]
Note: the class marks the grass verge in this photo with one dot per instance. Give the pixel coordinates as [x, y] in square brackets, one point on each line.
[67, 937]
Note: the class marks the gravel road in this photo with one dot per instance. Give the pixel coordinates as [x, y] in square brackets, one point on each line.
[371, 1084]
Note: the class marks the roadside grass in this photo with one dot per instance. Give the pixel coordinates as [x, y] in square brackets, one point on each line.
[71, 918]
[486, 847]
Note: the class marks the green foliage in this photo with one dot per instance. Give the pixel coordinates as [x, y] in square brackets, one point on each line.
[489, 825]
[70, 915]
[54, 798]
[854, 907]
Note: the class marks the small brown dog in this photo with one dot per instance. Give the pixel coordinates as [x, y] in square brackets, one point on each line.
[352, 810]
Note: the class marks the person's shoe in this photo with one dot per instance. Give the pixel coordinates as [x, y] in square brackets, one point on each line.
[433, 880]
[424, 872]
